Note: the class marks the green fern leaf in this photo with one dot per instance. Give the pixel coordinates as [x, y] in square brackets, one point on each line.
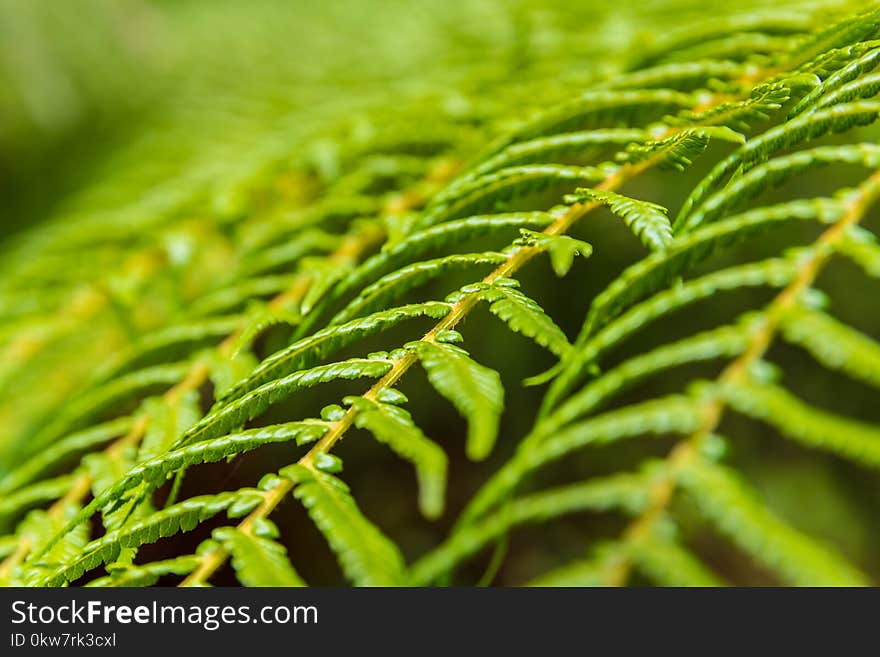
[586, 572]
[738, 115]
[862, 248]
[147, 574]
[737, 513]
[168, 344]
[796, 420]
[670, 415]
[648, 221]
[494, 191]
[184, 516]
[168, 419]
[426, 241]
[474, 390]
[306, 352]
[803, 128]
[525, 316]
[258, 561]
[116, 391]
[227, 416]
[237, 272]
[658, 270]
[774, 273]
[366, 555]
[727, 341]
[155, 471]
[562, 248]
[553, 146]
[620, 491]
[594, 109]
[836, 80]
[777, 171]
[236, 297]
[394, 426]
[679, 151]
[392, 286]
[669, 564]
[834, 344]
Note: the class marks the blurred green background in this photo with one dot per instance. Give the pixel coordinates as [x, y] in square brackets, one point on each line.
[146, 127]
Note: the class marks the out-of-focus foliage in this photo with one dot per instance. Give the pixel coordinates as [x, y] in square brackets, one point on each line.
[623, 256]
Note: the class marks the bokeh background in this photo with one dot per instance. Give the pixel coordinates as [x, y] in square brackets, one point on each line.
[164, 127]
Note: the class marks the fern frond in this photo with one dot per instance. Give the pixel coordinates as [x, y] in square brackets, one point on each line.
[727, 341]
[562, 249]
[834, 344]
[777, 171]
[670, 415]
[146, 574]
[648, 221]
[801, 129]
[474, 390]
[865, 87]
[29, 496]
[669, 564]
[117, 391]
[365, 554]
[554, 146]
[796, 420]
[678, 75]
[738, 514]
[657, 270]
[434, 238]
[782, 22]
[863, 249]
[772, 273]
[306, 352]
[852, 29]
[257, 560]
[235, 412]
[155, 471]
[288, 253]
[737, 115]
[863, 64]
[236, 297]
[168, 345]
[168, 419]
[623, 491]
[495, 190]
[523, 315]
[595, 109]
[184, 516]
[392, 286]
[394, 426]
[679, 150]
[37, 529]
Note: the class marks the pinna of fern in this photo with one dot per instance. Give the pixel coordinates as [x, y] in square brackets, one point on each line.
[350, 266]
